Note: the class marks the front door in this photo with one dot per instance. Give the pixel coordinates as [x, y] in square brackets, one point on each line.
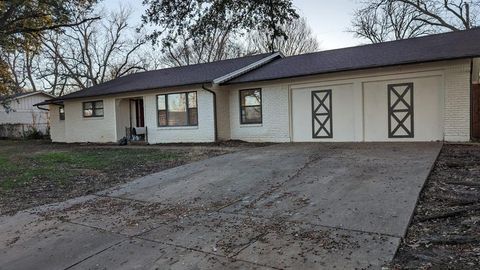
[139, 113]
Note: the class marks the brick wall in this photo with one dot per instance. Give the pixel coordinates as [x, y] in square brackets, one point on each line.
[457, 102]
[275, 113]
[204, 132]
[223, 114]
[93, 129]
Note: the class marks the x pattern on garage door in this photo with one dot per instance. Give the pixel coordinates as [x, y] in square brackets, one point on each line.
[322, 114]
[400, 110]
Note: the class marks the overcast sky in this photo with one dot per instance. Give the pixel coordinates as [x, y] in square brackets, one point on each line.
[328, 19]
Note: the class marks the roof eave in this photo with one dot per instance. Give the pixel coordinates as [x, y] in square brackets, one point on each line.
[62, 99]
[49, 102]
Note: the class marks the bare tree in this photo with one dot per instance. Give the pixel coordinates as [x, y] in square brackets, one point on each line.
[219, 44]
[79, 56]
[92, 53]
[383, 20]
[447, 14]
[224, 43]
[300, 39]
[20, 64]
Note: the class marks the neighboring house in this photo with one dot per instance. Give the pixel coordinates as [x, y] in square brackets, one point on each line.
[19, 115]
[420, 89]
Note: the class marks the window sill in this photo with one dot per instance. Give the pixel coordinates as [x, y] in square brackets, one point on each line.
[94, 118]
[178, 128]
[250, 125]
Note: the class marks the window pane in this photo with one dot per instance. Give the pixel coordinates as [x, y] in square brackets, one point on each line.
[99, 104]
[61, 111]
[192, 100]
[250, 97]
[193, 116]
[98, 112]
[177, 102]
[177, 118]
[252, 114]
[162, 118]
[87, 105]
[88, 112]
[161, 102]
[177, 110]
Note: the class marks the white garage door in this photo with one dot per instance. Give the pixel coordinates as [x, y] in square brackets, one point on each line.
[406, 110]
[323, 114]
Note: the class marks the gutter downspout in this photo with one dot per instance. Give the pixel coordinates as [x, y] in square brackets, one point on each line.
[471, 100]
[214, 110]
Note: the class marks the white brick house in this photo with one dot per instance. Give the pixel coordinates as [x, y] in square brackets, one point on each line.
[410, 90]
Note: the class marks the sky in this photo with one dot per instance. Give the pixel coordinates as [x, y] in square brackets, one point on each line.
[328, 19]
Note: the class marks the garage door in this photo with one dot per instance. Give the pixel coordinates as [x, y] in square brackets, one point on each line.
[397, 110]
[406, 110]
[323, 113]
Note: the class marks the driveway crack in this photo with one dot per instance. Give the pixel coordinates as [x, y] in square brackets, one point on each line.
[95, 254]
[311, 159]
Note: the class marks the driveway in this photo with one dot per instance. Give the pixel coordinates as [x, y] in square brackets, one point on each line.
[294, 206]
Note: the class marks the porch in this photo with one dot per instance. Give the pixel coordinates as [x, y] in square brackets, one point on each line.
[130, 120]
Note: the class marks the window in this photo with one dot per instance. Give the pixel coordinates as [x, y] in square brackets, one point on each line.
[61, 112]
[251, 106]
[93, 109]
[178, 109]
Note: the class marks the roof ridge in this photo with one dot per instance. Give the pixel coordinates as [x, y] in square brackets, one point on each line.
[388, 42]
[198, 64]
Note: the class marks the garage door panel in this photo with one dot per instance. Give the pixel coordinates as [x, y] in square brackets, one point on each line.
[323, 113]
[403, 110]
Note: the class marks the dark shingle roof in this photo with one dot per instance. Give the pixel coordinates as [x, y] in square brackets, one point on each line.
[447, 46]
[168, 77]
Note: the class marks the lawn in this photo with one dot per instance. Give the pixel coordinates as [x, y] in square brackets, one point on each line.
[38, 172]
[59, 166]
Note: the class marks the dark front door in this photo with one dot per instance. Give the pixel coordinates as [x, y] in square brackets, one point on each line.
[476, 111]
[140, 120]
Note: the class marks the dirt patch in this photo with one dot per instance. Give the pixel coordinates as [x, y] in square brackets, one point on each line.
[445, 230]
[34, 173]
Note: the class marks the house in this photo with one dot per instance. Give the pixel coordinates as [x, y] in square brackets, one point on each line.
[19, 115]
[419, 89]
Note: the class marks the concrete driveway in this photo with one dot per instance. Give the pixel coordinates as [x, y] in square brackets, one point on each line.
[294, 206]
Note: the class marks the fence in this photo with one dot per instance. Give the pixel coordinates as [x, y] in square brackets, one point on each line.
[23, 130]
